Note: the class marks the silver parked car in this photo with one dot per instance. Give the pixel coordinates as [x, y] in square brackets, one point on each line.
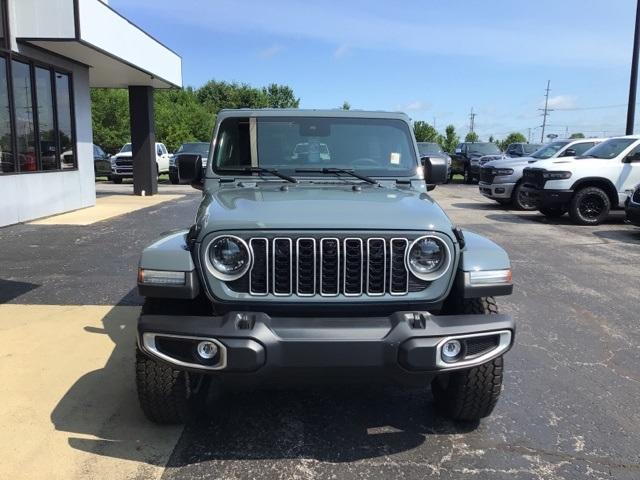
[500, 180]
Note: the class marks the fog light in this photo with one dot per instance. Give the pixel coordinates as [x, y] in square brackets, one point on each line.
[450, 350]
[207, 350]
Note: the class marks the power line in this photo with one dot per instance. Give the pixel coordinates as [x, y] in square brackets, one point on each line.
[546, 111]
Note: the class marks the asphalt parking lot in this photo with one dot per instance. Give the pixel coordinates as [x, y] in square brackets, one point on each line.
[569, 408]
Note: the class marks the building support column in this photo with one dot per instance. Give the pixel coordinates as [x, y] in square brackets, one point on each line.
[143, 140]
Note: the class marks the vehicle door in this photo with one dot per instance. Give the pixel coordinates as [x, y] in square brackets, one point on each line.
[162, 157]
[458, 159]
[629, 176]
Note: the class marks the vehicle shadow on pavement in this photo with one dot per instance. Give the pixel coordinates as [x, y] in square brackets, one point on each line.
[520, 217]
[10, 289]
[631, 235]
[329, 425]
[100, 410]
[483, 206]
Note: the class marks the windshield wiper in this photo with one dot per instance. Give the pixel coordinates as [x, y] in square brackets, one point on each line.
[259, 170]
[337, 171]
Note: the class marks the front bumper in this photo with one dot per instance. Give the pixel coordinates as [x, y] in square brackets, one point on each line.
[633, 213]
[496, 190]
[400, 346]
[545, 197]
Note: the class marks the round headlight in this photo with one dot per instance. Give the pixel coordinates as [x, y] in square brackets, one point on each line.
[229, 257]
[428, 258]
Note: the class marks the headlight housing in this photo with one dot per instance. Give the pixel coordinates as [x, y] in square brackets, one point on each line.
[228, 257]
[556, 175]
[428, 258]
[502, 171]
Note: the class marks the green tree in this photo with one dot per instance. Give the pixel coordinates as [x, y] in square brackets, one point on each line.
[513, 137]
[577, 135]
[346, 105]
[110, 117]
[472, 137]
[179, 118]
[491, 139]
[450, 140]
[280, 96]
[424, 132]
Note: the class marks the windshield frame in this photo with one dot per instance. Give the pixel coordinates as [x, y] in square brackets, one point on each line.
[439, 150]
[206, 147]
[470, 149]
[124, 148]
[412, 170]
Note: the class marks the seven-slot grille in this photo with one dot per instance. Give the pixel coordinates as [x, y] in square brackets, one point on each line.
[328, 266]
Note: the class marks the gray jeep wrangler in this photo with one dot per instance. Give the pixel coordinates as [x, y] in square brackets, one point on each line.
[318, 255]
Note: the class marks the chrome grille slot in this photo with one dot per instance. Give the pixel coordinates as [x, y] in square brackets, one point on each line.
[398, 275]
[353, 261]
[282, 266]
[258, 275]
[306, 267]
[340, 265]
[376, 266]
[329, 267]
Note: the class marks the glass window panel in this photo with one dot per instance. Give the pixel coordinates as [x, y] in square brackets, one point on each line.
[25, 133]
[46, 125]
[7, 159]
[63, 102]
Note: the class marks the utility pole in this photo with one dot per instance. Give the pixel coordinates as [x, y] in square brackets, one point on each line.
[472, 118]
[434, 123]
[546, 110]
[633, 82]
[529, 135]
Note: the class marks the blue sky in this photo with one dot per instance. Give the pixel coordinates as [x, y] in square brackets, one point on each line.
[431, 59]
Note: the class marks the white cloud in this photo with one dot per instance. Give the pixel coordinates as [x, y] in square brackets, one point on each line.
[349, 24]
[342, 51]
[561, 101]
[270, 52]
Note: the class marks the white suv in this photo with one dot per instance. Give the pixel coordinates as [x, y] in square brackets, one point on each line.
[587, 186]
[122, 162]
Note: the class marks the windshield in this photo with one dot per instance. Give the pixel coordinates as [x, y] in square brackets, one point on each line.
[484, 148]
[609, 149]
[372, 147]
[200, 148]
[549, 150]
[425, 148]
[530, 147]
[126, 148]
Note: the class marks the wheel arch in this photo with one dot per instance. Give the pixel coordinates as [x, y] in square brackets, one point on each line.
[600, 182]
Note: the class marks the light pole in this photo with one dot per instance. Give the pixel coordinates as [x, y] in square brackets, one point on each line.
[633, 82]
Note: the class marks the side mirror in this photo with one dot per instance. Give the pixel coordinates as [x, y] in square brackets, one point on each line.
[435, 171]
[569, 152]
[633, 157]
[190, 170]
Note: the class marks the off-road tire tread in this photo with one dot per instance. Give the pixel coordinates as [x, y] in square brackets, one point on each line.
[574, 212]
[162, 391]
[471, 394]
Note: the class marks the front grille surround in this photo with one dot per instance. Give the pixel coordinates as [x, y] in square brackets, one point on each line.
[534, 177]
[320, 256]
[487, 175]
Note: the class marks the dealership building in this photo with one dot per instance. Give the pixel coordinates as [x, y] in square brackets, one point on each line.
[51, 53]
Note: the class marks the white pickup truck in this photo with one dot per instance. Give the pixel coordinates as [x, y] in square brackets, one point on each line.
[587, 186]
[122, 162]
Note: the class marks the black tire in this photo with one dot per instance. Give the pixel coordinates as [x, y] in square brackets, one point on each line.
[552, 212]
[520, 201]
[471, 394]
[163, 391]
[589, 206]
[117, 180]
[173, 179]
